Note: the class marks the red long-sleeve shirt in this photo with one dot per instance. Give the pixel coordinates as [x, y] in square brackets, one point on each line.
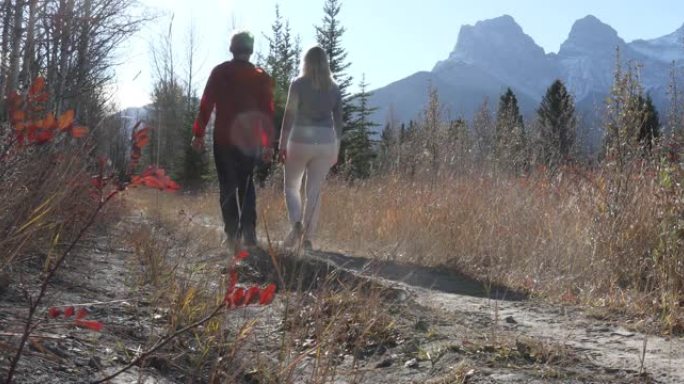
[242, 96]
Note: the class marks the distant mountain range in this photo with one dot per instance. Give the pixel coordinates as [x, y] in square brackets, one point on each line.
[494, 54]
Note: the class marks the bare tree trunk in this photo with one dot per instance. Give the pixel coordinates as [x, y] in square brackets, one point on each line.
[4, 48]
[15, 53]
[82, 63]
[53, 29]
[30, 50]
[64, 53]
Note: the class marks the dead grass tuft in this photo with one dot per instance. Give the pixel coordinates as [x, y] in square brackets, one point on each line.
[580, 235]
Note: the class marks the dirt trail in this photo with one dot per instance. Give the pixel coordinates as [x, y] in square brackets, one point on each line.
[446, 322]
[610, 347]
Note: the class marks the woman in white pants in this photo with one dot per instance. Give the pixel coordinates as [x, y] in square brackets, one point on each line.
[309, 142]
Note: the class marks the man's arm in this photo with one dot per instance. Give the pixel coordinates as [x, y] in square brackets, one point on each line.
[206, 106]
[267, 108]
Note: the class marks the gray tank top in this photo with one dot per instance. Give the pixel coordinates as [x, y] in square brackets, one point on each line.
[319, 113]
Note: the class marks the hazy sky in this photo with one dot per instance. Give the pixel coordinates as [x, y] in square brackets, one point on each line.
[386, 39]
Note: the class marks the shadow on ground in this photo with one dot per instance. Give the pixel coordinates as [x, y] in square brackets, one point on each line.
[435, 278]
[306, 270]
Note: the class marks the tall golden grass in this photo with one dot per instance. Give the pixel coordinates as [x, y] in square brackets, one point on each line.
[598, 236]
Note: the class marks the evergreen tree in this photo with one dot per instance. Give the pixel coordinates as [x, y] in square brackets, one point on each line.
[384, 160]
[174, 107]
[557, 124]
[194, 167]
[329, 37]
[282, 59]
[406, 133]
[650, 124]
[458, 142]
[281, 64]
[359, 146]
[510, 141]
[166, 139]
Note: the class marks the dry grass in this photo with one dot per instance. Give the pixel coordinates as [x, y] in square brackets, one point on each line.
[44, 200]
[177, 259]
[579, 236]
[596, 236]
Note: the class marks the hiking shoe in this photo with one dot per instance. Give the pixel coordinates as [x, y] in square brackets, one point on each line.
[294, 235]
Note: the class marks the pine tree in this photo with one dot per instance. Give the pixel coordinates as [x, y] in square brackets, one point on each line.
[194, 166]
[281, 61]
[386, 148]
[650, 125]
[329, 37]
[281, 64]
[557, 124]
[359, 147]
[510, 141]
[458, 142]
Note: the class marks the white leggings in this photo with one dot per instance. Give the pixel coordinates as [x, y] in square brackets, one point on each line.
[315, 160]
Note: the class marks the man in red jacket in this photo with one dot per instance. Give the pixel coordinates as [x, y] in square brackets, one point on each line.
[242, 97]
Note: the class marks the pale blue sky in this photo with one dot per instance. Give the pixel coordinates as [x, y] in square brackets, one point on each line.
[386, 39]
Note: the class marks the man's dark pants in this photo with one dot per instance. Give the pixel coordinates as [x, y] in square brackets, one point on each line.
[235, 173]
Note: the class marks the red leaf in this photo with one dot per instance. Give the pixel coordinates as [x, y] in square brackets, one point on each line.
[153, 182]
[97, 182]
[18, 116]
[40, 98]
[90, 324]
[81, 313]
[42, 136]
[238, 297]
[50, 122]
[54, 312]
[37, 86]
[241, 255]
[66, 120]
[69, 312]
[154, 177]
[252, 294]
[141, 137]
[79, 131]
[20, 126]
[172, 186]
[266, 295]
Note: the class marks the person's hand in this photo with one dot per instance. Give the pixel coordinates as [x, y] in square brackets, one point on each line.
[282, 155]
[267, 156]
[197, 144]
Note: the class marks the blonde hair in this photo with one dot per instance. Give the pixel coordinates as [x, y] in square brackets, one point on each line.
[315, 66]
